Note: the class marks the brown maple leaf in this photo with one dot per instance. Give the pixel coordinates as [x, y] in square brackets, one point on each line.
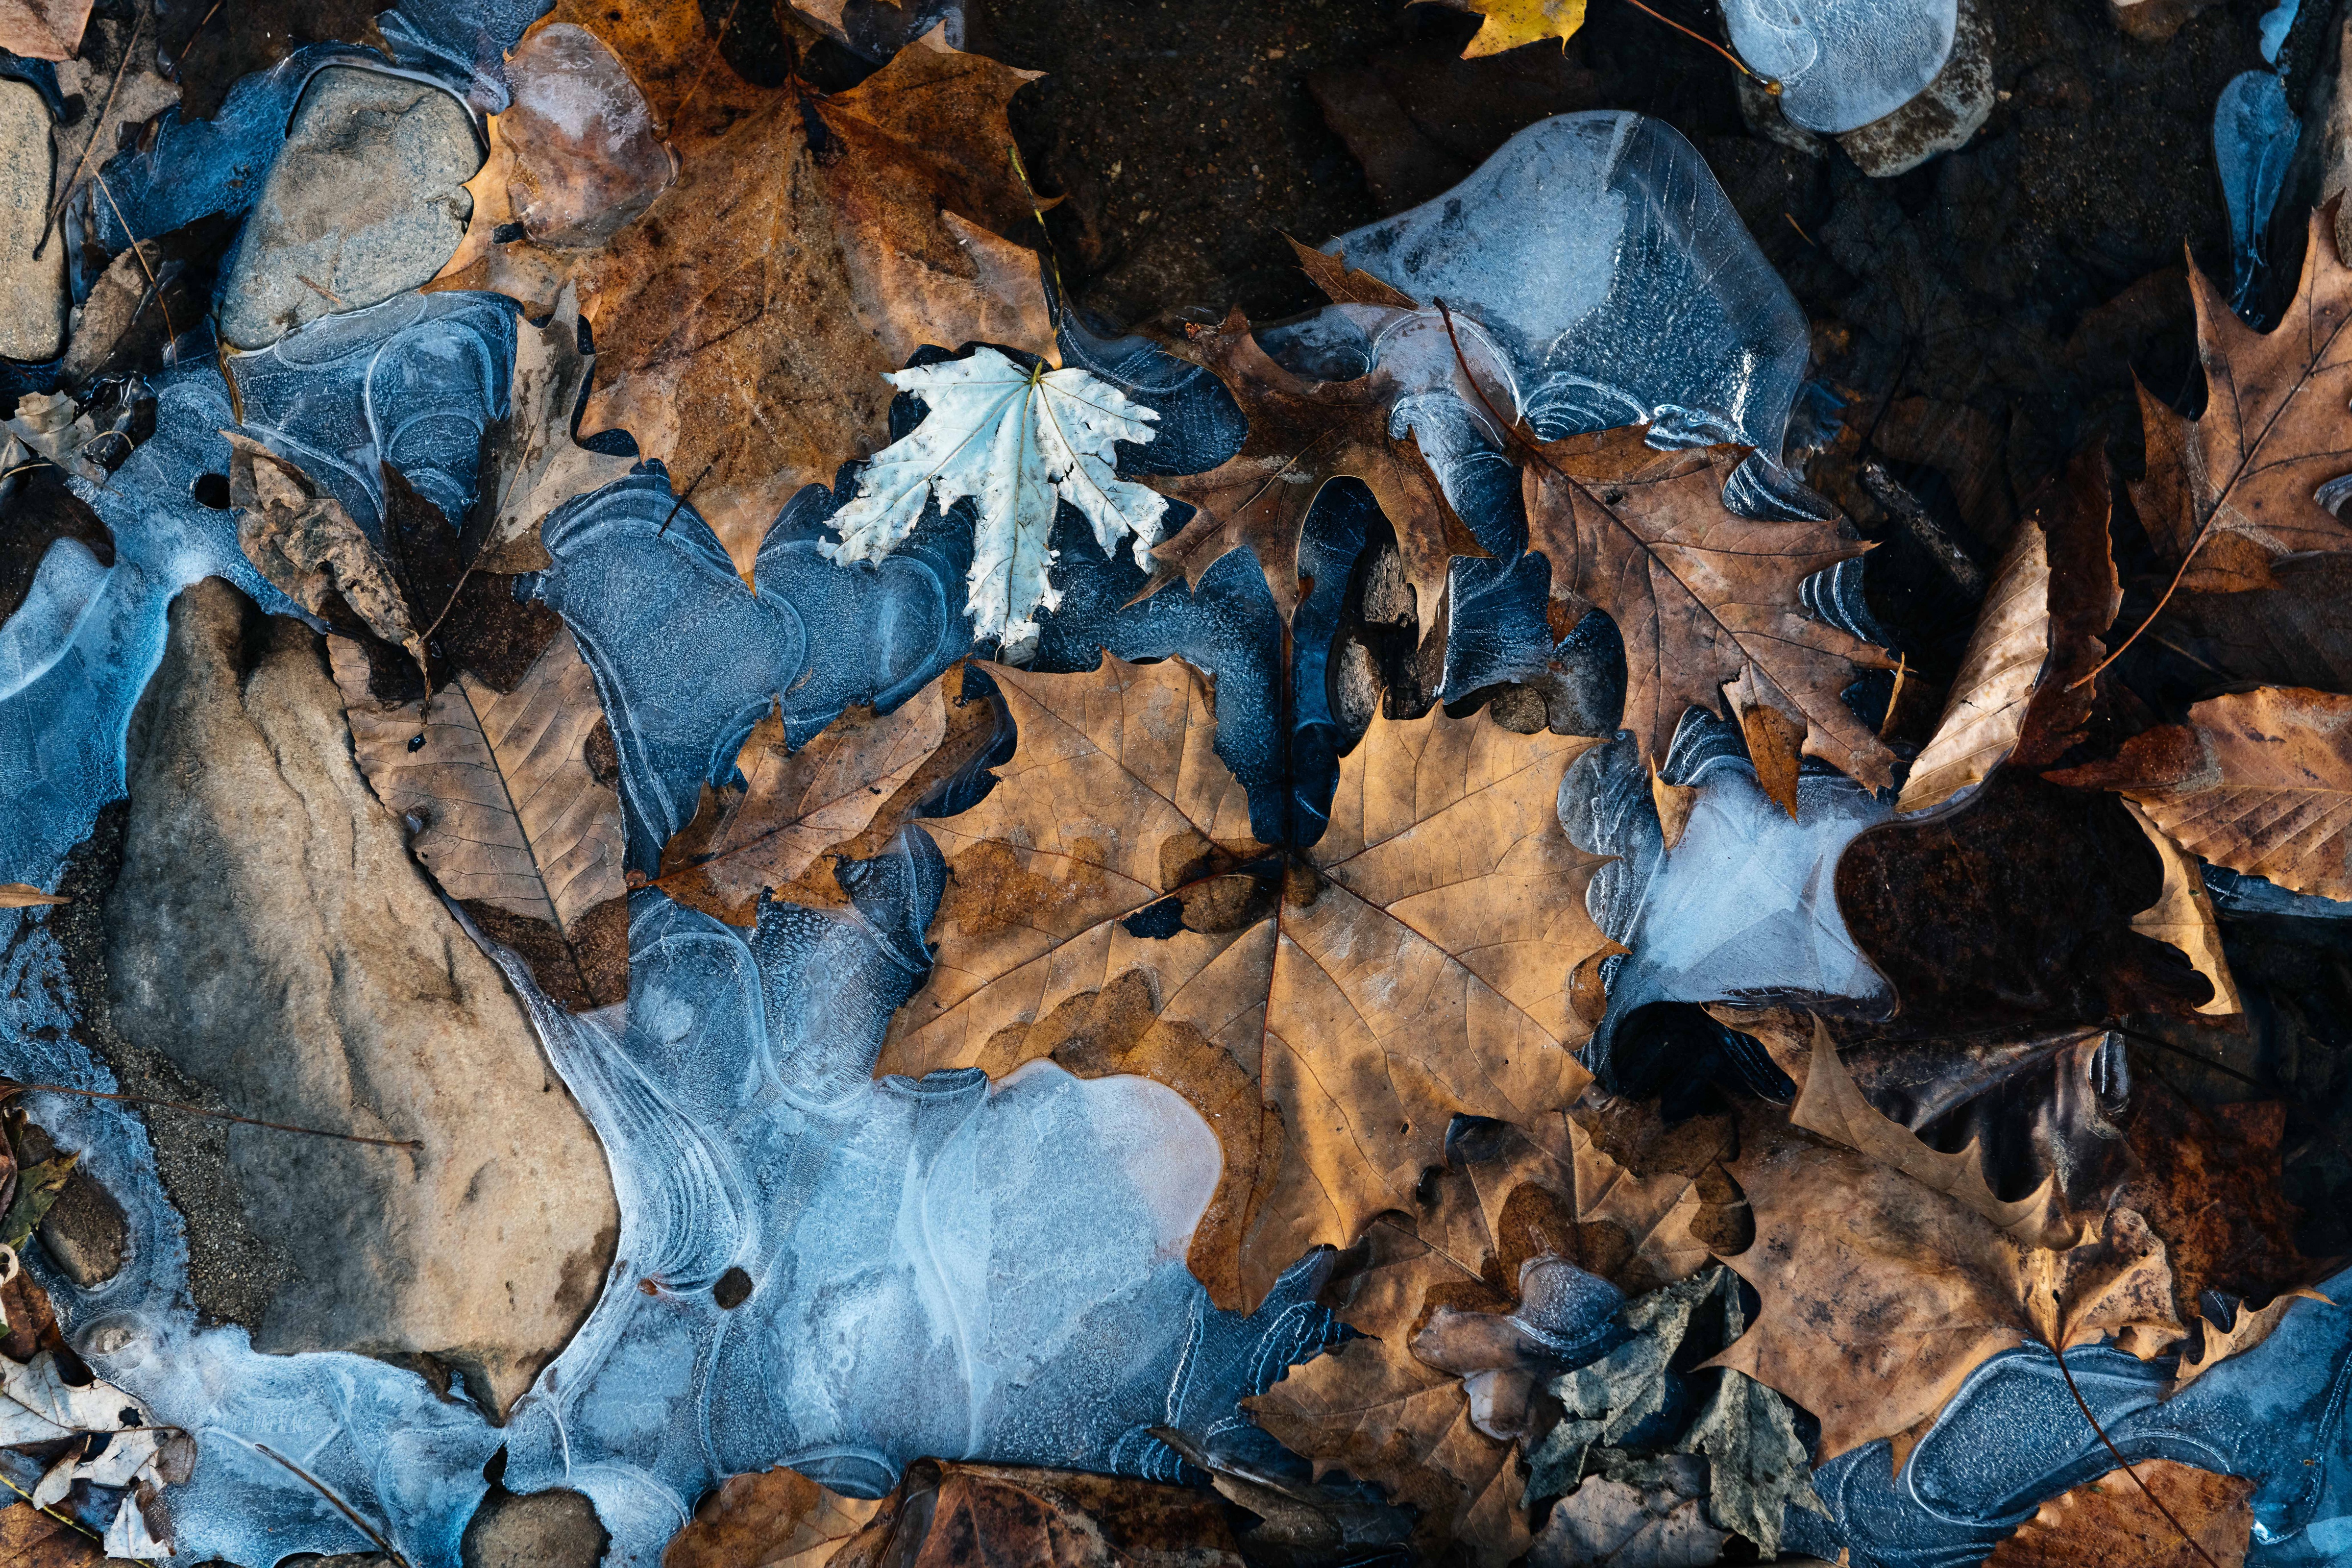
[2110, 1521]
[1880, 1294]
[810, 243]
[2019, 693]
[1429, 1285]
[1302, 435]
[773, 1519]
[1330, 1008]
[1701, 595]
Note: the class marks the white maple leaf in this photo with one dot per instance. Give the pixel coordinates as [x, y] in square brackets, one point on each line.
[1016, 441]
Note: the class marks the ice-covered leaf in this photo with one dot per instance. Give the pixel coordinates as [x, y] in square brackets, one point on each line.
[1700, 594]
[1019, 441]
[2110, 1520]
[1655, 1518]
[1331, 1008]
[49, 427]
[2037, 633]
[1881, 1295]
[300, 538]
[874, 216]
[1302, 435]
[950, 1515]
[531, 464]
[506, 808]
[39, 1405]
[1603, 1401]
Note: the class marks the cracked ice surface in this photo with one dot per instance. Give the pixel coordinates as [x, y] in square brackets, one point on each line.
[952, 1267]
[1843, 63]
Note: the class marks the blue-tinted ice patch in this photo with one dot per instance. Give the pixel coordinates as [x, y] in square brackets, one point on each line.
[1843, 63]
[2254, 136]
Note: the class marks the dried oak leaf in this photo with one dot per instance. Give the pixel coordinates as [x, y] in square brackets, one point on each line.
[1511, 23]
[1880, 1295]
[810, 243]
[301, 539]
[947, 1514]
[530, 464]
[2182, 917]
[2110, 1524]
[2258, 476]
[1302, 435]
[1346, 285]
[505, 810]
[2259, 782]
[775, 1518]
[795, 807]
[2037, 633]
[1329, 1008]
[1428, 1403]
[1700, 594]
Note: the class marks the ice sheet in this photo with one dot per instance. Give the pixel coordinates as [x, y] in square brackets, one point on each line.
[1842, 63]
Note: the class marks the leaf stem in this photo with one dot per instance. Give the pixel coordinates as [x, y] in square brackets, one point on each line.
[2125, 1465]
[1739, 65]
[348, 1512]
[67, 1520]
[2170, 588]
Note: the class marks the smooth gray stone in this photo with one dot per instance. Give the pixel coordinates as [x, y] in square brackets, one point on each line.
[365, 200]
[32, 292]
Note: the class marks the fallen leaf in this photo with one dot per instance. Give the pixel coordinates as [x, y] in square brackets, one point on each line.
[574, 178]
[1757, 1467]
[1880, 1295]
[1701, 595]
[2259, 782]
[950, 1515]
[36, 1191]
[2249, 1327]
[43, 29]
[2110, 1524]
[775, 1518]
[2053, 595]
[2258, 474]
[1774, 741]
[1346, 285]
[810, 244]
[1301, 1522]
[1302, 435]
[51, 427]
[530, 464]
[1411, 966]
[211, 46]
[505, 809]
[1020, 442]
[2182, 917]
[1608, 1399]
[32, 1538]
[1510, 24]
[301, 539]
[1650, 1519]
[23, 895]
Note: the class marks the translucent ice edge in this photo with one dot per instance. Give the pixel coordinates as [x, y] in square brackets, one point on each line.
[1841, 64]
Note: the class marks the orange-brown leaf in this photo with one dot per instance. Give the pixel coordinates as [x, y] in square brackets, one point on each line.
[1346, 285]
[1699, 594]
[950, 1515]
[1303, 434]
[775, 1518]
[2110, 1524]
[2237, 486]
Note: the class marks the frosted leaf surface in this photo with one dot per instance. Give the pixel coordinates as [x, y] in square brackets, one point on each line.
[1744, 906]
[1842, 63]
[1605, 262]
[2013, 1435]
[952, 1267]
[1018, 441]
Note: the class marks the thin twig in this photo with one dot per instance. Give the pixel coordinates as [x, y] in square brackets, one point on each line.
[139, 250]
[96, 126]
[347, 1510]
[8, 1090]
[2124, 1464]
[683, 494]
[1038, 211]
[1741, 66]
[182, 58]
[67, 1520]
[709, 55]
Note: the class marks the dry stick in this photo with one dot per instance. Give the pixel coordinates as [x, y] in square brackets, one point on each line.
[348, 1512]
[99, 125]
[182, 57]
[2124, 1464]
[681, 499]
[17, 1089]
[1741, 66]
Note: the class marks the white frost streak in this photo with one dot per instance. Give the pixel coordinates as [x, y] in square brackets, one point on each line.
[1016, 442]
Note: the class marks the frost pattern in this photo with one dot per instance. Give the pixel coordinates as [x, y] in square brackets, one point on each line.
[1843, 63]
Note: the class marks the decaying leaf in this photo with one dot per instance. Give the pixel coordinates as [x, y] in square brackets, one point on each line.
[950, 1515]
[49, 427]
[1880, 1294]
[2183, 917]
[2037, 633]
[1701, 595]
[1302, 435]
[301, 539]
[1301, 1524]
[2259, 782]
[2258, 474]
[1019, 442]
[33, 1192]
[795, 807]
[38, 1538]
[1653, 1518]
[531, 463]
[1610, 1397]
[43, 29]
[1756, 1467]
[1346, 285]
[39, 1409]
[24, 895]
[1329, 1009]
[1512, 23]
[775, 1518]
[810, 244]
[505, 809]
[2109, 1523]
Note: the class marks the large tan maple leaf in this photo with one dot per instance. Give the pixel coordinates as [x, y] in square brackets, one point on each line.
[1329, 1009]
[809, 243]
[1702, 596]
